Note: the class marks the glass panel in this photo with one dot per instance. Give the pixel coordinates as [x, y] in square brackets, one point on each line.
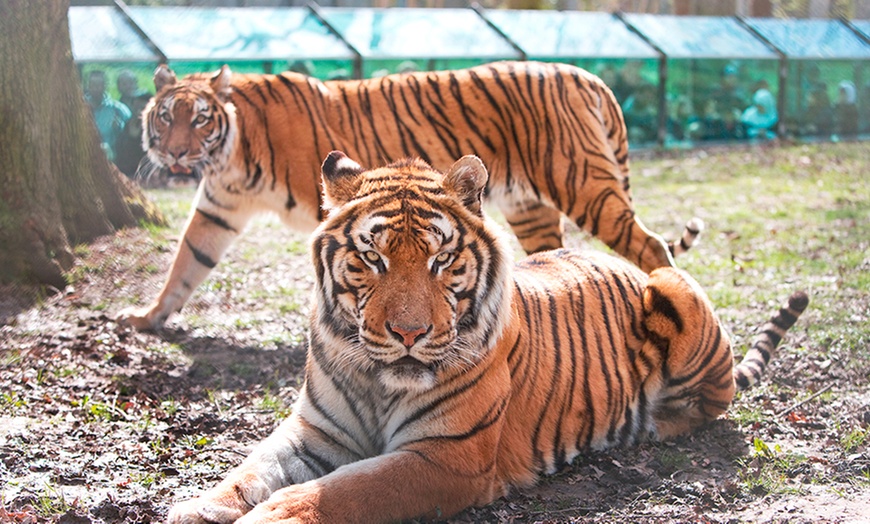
[257, 34]
[377, 67]
[721, 100]
[101, 33]
[570, 34]
[824, 99]
[322, 69]
[419, 33]
[811, 38]
[700, 36]
[863, 26]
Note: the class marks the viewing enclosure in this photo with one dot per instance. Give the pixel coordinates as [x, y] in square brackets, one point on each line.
[681, 80]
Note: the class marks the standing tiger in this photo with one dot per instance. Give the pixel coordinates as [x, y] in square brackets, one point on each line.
[438, 376]
[552, 135]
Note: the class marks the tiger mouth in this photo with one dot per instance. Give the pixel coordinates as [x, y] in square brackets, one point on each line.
[409, 365]
[178, 169]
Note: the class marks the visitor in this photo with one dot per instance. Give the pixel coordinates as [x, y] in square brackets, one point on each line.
[641, 115]
[128, 144]
[128, 87]
[846, 109]
[760, 118]
[729, 95]
[818, 119]
[110, 115]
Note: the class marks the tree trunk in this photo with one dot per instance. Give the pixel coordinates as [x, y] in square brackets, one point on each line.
[57, 188]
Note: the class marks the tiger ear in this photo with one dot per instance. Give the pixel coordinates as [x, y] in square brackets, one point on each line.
[220, 83]
[163, 76]
[466, 179]
[341, 179]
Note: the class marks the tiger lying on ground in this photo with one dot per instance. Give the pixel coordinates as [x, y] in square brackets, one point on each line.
[552, 135]
[438, 376]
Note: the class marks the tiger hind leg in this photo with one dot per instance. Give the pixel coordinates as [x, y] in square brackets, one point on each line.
[693, 381]
[537, 226]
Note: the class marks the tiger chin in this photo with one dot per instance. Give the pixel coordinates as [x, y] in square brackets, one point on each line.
[440, 374]
[552, 135]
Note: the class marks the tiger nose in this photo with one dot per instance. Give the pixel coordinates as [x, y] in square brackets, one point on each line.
[178, 152]
[408, 335]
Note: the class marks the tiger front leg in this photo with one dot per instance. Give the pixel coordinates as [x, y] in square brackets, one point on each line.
[537, 226]
[394, 487]
[207, 235]
[291, 454]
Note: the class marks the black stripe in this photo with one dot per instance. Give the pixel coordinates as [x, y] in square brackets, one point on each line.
[216, 220]
[200, 257]
[663, 305]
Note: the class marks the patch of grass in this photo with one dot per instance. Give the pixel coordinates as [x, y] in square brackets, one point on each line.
[275, 404]
[170, 406]
[81, 250]
[51, 503]
[855, 439]
[146, 479]
[175, 203]
[95, 410]
[674, 460]
[10, 357]
[769, 470]
[194, 442]
[10, 402]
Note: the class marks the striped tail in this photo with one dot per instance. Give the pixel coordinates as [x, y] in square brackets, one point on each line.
[750, 369]
[690, 236]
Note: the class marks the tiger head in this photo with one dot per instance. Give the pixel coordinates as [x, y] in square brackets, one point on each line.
[189, 126]
[412, 278]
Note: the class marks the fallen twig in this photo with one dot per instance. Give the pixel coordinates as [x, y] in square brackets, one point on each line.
[796, 405]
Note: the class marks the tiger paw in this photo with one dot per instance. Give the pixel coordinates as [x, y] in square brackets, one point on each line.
[202, 511]
[296, 504]
[141, 319]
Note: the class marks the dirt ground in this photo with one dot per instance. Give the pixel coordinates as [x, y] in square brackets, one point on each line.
[99, 423]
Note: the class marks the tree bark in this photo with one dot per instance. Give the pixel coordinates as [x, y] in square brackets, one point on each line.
[57, 188]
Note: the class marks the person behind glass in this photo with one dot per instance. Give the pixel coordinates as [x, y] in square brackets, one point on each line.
[722, 108]
[682, 123]
[846, 109]
[818, 119]
[627, 81]
[128, 144]
[760, 118]
[641, 114]
[715, 124]
[729, 95]
[607, 73]
[128, 86]
[110, 115]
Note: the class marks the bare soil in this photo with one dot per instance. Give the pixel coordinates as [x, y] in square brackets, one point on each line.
[99, 423]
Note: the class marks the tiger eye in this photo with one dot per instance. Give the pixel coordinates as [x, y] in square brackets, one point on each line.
[371, 256]
[443, 257]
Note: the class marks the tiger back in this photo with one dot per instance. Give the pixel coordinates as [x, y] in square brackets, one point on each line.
[439, 374]
[552, 135]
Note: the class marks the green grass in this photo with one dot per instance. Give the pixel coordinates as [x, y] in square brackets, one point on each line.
[777, 220]
[770, 470]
